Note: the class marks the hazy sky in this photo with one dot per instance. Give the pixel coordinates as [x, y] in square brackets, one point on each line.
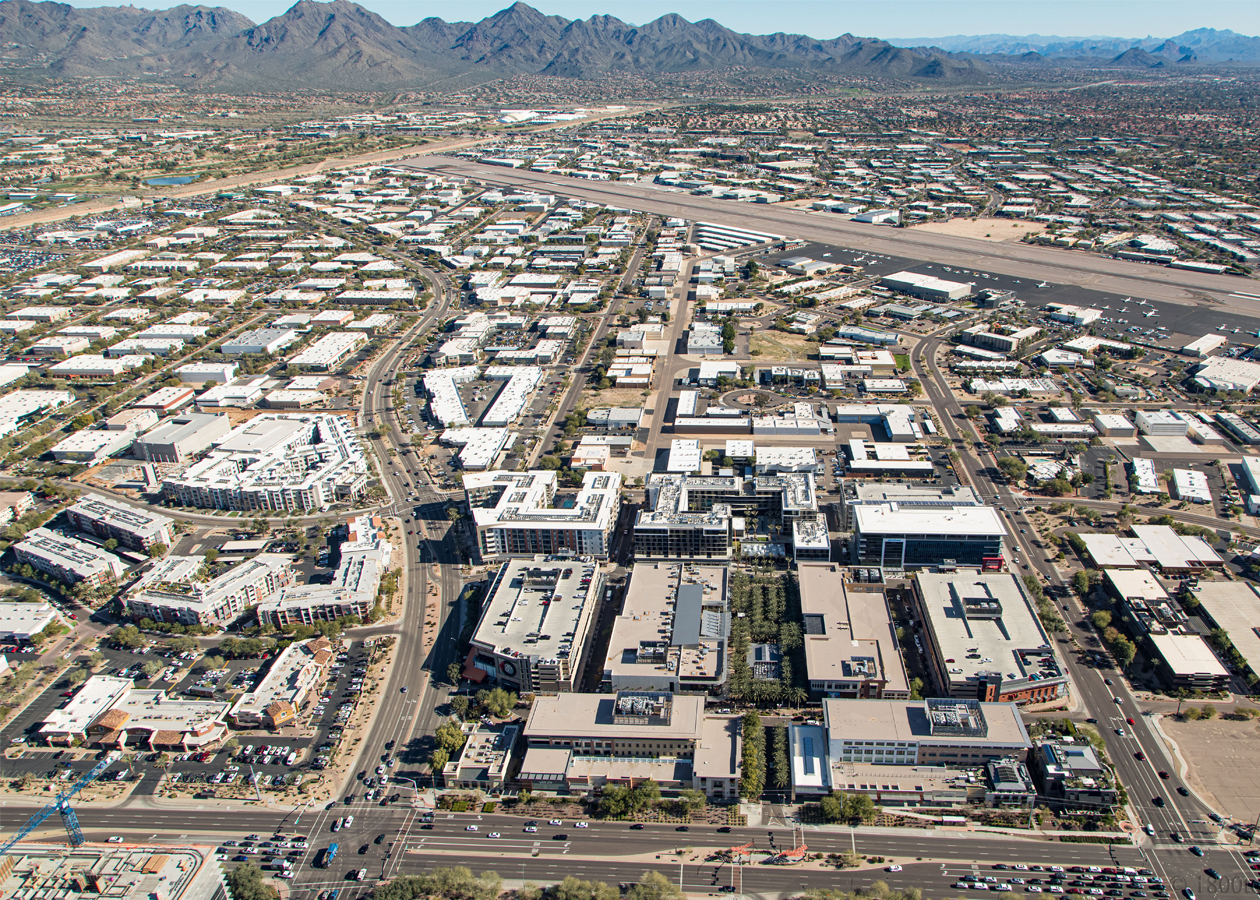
[829, 18]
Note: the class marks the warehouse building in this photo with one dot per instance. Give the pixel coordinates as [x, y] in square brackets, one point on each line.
[1234, 607]
[329, 351]
[984, 639]
[259, 340]
[514, 513]
[202, 373]
[167, 400]
[534, 625]
[66, 559]
[180, 438]
[91, 446]
[891, 537]
[133, 528]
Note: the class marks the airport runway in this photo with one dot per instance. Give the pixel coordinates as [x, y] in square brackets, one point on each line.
[1023, 261]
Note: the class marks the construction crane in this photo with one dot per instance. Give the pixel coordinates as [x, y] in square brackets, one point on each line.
[62, 805]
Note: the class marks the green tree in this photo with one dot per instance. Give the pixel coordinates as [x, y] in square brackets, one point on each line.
[459, 706]
[127, 637]
[76, 677]
[450, 737]
[1101, 619]
[1012, 467]
[157, 551]
[182, 644]
[573, 888]
[211, 555]
[654, 886]
[497, 702]
[151, 668]
[245, 882]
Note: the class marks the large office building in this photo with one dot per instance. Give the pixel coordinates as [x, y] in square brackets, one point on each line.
[984, 640]
[515, 513]
[905, 496]
[934, 732]
[66, 559]
[851, 647]
[1233, 607]
[701, 516]
[181, 437]
[578, 743]
[276, 461]
[534, 624]
[131, 527]
[892, 537]
[175, 589]
[673, 631]
[1186, 661]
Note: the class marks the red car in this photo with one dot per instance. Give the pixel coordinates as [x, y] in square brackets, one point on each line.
[1130, 721]
[1140, 755]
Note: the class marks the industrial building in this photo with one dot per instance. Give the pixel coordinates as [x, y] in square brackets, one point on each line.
[1233, 607]
[276, 461]
[672, 632]
[92, 445]
[182, 437]
[68, 560]
[1227, 373]
[204, 372]
[534, 625]
[514, 513]
[512, 399]
[131, 527]
[984, 639]
[851, 647]
[258, 341]
[892, 537]
[329, 351]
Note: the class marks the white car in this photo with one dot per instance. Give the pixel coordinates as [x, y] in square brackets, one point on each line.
[471, 828]
[581, 825]
[531, 829]
[1033, 889]
[893, 869]
[115, 840]
[556, 822]
[494, 834]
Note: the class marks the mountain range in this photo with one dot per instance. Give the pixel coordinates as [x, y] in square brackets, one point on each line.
[1204, 45]
[342, 45]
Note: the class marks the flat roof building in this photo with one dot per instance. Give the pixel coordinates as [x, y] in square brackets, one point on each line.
[535, 622]
[167, 400]
[278, 698]
[258, 341]
[672, 632]
[134, 528]
[1186, 661]
[891, 537]
[927, 287]
[276, 461]
[182, 437]
[91, 445]
[175, 589]
[851, 647]
[984, 639]
[113, 713]
[935, 732]
[330, 351]
[19, 621]
[1234, 607]
[514, 513]
[66, 559]
[905, 496]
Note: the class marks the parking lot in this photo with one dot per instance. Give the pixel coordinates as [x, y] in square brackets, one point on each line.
[261, 760]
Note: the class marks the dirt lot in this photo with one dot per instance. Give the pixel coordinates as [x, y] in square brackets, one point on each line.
[1222, 758]
[621, 398]
[777, 346]
[984, 229]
